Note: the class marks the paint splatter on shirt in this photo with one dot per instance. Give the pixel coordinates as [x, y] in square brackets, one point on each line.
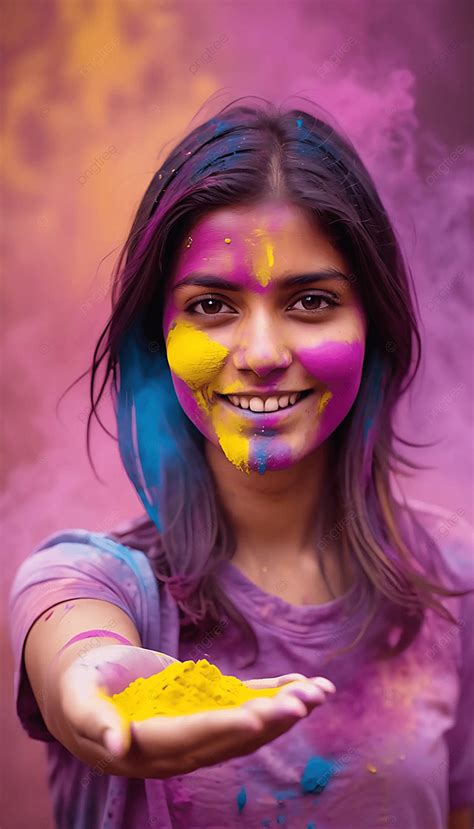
[394, 746]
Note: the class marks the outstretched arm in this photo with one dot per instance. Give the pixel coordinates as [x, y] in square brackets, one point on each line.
[68, 690]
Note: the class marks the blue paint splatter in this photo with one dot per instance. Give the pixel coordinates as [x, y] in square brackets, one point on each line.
[311, 825]
[281, 819]
[316, 775]
[241, 798]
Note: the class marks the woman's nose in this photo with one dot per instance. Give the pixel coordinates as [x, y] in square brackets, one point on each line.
[261, 348]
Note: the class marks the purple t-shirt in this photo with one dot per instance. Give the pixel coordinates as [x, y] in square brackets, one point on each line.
[393, 747]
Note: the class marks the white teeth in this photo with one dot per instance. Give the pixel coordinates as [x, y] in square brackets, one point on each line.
[256, 404]
[271, 404]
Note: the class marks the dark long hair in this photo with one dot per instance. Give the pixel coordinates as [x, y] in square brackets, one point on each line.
[242, 155]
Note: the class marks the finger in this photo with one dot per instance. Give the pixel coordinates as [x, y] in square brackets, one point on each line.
[187, 731]
[273, 720]
[273, 681]
[269, 710]
[324, 683]
[98, 720]
[303, 690]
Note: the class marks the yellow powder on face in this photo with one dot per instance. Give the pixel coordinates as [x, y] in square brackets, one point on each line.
[235, 446]
[184, 688]
[192, 355]
[323, 401]
[264, 259]
[196, 359]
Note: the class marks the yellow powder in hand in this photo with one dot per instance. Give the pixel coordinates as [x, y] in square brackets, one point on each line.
[184, 688]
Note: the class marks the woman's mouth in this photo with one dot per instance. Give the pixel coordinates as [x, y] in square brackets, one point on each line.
[254, 405]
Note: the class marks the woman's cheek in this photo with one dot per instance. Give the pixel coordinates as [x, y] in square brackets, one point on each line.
[195, 361]
[338, 367]
[188, 402]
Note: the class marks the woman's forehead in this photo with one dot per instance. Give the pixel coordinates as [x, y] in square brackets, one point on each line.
[262, 241]
[271, 217]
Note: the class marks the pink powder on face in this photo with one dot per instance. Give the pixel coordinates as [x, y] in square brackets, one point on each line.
[269, 453]
[337, 368]
[337, 365]
[190, 405]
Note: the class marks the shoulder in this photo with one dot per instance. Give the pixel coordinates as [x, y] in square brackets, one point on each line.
[81, 564]
[85, 556]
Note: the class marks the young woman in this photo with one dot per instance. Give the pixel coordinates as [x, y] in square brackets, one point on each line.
[261, 335]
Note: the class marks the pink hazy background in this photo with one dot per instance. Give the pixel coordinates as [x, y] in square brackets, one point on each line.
[95, 93]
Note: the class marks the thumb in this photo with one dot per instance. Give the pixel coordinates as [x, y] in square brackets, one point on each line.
[116, 734]
[101, 722]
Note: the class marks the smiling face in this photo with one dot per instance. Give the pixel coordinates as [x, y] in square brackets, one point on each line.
[264, 334]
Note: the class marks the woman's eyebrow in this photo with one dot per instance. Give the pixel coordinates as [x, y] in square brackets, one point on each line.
[211, 281]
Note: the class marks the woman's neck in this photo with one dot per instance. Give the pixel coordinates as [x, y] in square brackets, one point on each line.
[275, 511]
[274, 518]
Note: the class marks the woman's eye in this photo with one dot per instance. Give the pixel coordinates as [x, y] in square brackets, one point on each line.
[213, 306]
[209, 305]
[316, 302]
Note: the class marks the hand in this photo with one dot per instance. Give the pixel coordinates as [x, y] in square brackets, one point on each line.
[161, 747]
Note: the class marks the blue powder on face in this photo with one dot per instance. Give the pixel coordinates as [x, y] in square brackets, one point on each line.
[311, 825]
[262, 465]
[266, 821]
[241, 799]
[281, 819]
[316, 775]
[262, 458]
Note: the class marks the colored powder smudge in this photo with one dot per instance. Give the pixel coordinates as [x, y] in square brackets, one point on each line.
[67, 607]
[241, 799]
[323, 401]
[286, 794]
[265, 258]
[311, 825]
[197, 359]
[235, 446]
[281, 819]
[193, 356]
[262, 460]
[316, 774]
